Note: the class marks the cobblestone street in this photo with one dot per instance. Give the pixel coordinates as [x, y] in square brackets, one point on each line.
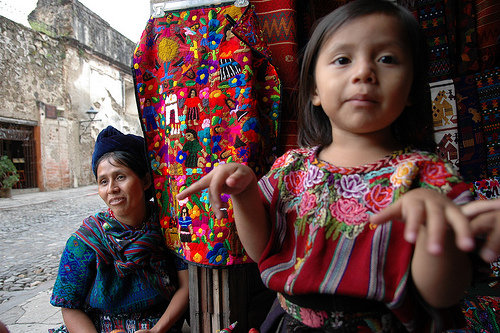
[33, 234]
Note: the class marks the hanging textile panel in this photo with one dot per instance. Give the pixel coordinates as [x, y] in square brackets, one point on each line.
[488, 32]
[488, 89]
[207, 94]
[431, 15]
[472, 149]
[444, 113]
[278, 20]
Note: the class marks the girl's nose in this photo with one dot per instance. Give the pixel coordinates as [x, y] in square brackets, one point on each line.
[364, 72]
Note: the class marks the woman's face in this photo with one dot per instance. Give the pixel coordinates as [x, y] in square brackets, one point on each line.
[122, 191]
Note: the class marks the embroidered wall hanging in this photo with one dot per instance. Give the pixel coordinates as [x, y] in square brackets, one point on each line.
[470, 130]
[444, 113]
[207, 94]
[488, 89]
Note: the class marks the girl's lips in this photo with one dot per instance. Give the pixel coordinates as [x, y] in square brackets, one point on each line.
[362, 98]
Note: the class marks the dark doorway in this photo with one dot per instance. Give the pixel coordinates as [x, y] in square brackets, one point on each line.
[18, 143]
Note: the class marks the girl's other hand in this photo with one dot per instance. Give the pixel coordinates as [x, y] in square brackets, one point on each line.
[484, 218]
[427, 207]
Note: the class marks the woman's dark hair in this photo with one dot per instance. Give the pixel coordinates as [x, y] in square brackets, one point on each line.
[138, 166]
[415, 124]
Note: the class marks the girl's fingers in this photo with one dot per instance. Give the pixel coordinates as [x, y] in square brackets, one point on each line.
[464, 238]
[477, 207]
[391, 212]
[488, 224]
[436, 226]
[196, 187]
[436, 212]
[414, 216]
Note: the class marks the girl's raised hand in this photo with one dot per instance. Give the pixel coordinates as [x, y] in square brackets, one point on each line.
[231, 178]
[484, 218]
[427, 207]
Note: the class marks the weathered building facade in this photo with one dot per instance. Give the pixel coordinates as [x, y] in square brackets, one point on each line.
[69, 62]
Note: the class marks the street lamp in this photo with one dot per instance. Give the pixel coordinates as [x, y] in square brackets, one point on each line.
[91, 114]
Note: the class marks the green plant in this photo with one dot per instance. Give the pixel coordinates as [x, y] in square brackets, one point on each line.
[8, 173]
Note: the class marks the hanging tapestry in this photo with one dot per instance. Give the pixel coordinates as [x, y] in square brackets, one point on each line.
[488, 32]
[432, 18]
[444, 113]
[488, 89]
[278, 20]
[472, 149]
[207, 95]
[462, 37]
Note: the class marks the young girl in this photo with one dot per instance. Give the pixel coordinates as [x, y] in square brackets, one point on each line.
[316, 222]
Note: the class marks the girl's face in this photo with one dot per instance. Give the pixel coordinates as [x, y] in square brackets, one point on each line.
[363, 75]
[122, 191]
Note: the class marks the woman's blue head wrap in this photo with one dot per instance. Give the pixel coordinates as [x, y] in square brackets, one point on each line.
[110, 139]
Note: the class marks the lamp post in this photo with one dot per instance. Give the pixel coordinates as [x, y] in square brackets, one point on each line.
[91, 114]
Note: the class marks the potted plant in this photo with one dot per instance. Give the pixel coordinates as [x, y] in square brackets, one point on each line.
[8, 176]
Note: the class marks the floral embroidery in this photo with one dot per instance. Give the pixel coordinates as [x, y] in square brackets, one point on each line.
[351, 186]
[349, 211]
[309, 183]
[378, 198]
[402, 176]
[295, 182]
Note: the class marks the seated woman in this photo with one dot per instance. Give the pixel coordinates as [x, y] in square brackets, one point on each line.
[115, 272]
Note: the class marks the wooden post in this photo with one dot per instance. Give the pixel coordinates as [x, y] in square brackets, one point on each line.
[220, 297]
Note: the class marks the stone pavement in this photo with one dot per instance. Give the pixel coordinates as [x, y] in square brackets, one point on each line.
[25, 307]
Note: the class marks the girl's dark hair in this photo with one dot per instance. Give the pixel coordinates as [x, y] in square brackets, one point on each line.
[138, 166]
[415, 124]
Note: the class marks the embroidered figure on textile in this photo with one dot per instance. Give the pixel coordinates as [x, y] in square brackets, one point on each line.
[192, 107]
[185, 225]
[150, 115]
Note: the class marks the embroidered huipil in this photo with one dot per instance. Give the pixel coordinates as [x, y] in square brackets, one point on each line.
[322, 241]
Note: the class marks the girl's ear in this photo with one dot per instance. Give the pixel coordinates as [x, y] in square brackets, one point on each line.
[315, 99]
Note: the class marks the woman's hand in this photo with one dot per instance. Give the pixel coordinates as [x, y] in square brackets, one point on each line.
[484, 218]
[427, 207]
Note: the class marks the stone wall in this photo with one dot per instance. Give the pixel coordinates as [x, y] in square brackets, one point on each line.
[71, 19]
[81, 63]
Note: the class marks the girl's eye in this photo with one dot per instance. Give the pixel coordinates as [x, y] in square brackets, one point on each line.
[388, 60]
[342, 61]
